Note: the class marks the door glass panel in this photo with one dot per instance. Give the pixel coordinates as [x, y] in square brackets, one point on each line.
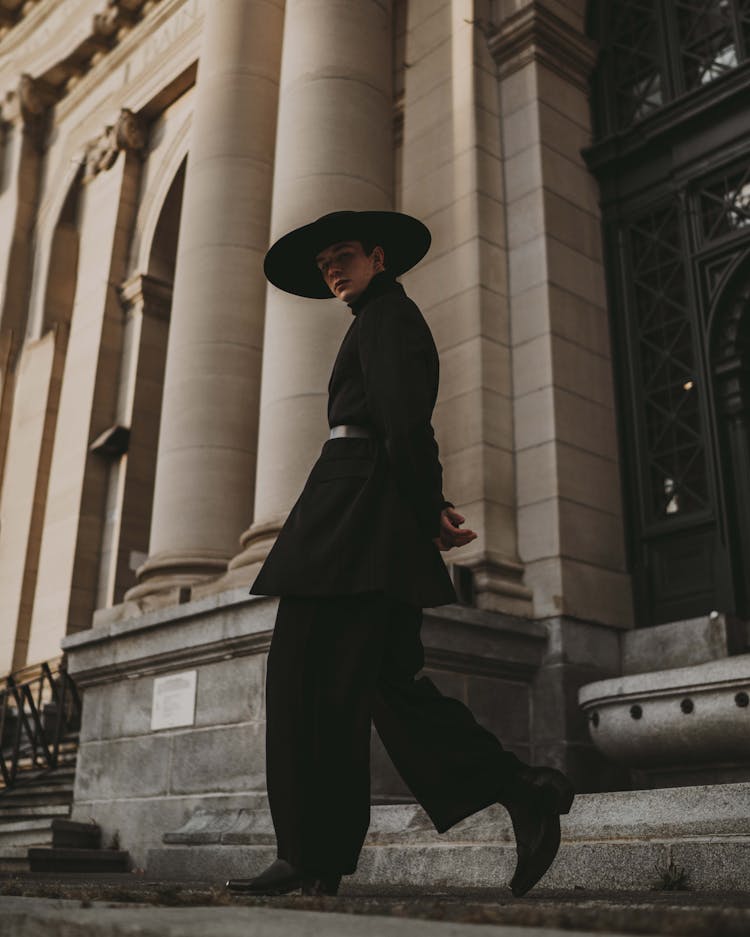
[725, 204]
[635, 51]
[673, 438]
[706, 35]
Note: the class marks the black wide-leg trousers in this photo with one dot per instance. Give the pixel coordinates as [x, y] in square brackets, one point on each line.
[337, 664]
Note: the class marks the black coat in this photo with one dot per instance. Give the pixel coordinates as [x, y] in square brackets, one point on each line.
[370, 507]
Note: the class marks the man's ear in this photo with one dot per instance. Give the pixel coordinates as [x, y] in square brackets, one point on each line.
[378, 256]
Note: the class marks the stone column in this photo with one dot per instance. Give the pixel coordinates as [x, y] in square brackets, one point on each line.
[207, 441]
[334, 151]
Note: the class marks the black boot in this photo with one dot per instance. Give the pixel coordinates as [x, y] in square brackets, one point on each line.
[542, 795]
[280, 878]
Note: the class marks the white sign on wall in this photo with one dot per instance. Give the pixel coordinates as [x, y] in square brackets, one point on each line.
[174, 700]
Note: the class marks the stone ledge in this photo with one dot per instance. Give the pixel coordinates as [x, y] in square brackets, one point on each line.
[128, 642]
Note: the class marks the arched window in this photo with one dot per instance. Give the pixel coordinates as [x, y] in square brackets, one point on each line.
[670, 109]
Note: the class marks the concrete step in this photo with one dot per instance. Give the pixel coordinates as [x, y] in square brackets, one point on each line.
[41, 784]
[70, 834]
[14, 859]
[27, 832]
[53, 860]
[696, 837]
[11, 812]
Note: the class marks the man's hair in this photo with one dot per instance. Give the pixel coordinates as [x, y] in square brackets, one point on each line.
[369, 245]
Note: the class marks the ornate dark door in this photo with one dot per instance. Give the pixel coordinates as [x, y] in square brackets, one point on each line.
[673, 163]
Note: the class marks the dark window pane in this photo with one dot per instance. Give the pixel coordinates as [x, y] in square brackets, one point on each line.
[743, 11]
[725, 204]
[707, 47]
[635, 55]
[673, 438]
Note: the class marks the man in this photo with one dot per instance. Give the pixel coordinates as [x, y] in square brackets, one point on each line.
[355, 563]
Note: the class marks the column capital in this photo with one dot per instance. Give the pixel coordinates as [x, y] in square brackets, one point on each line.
[534, 33]
[129, 134]
[148, 293]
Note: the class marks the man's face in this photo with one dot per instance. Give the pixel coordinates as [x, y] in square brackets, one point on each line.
[347, 269]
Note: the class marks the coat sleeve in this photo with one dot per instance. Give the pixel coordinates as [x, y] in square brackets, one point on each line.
[399, 365]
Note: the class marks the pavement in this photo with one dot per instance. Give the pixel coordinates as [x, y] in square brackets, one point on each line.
[100, 906]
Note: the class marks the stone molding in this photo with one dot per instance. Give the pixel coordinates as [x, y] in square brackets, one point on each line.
[197, 633]
[60, 65]
[128, 134]
[150, 295]
[534, 34]
[176, 659]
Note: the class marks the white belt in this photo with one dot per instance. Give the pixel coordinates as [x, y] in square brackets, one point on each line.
[343, 429]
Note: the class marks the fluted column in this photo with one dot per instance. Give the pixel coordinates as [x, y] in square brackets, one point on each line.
[207, 442]
[333, 151]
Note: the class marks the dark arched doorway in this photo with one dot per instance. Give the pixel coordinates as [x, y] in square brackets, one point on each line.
[670, 98]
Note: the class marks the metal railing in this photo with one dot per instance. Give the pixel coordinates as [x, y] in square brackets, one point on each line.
[39, 707]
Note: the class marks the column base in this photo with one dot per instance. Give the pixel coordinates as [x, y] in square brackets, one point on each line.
[175, 573]
[497, 586]
[256, 543]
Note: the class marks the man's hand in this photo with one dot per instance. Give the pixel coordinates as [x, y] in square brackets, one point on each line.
[450, 533]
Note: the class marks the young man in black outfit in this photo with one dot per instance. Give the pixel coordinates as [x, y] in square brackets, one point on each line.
[355, 563]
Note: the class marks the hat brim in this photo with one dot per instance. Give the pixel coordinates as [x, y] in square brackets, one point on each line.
[290, 263]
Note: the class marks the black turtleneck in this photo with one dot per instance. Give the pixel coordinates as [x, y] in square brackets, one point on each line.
[379, 284]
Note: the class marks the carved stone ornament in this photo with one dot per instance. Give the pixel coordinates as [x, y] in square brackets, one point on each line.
[128, 134]
[107, 21]
[116, 15]
[29, 103]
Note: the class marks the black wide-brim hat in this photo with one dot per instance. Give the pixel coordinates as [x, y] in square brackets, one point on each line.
[290, 262]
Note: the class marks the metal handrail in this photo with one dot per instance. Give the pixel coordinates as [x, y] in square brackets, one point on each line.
[38, 708]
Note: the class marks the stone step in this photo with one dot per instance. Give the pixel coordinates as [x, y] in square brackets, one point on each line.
[9, 813]
[697, 837]
[70, 834]
[14, 859]
[52, 860]
[33, 832]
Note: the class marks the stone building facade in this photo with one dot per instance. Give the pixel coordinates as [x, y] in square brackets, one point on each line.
[160, 405]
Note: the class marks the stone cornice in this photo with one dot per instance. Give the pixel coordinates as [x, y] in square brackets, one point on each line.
[176, 659]
[158, 51]
[63, 41]
[534, 34]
